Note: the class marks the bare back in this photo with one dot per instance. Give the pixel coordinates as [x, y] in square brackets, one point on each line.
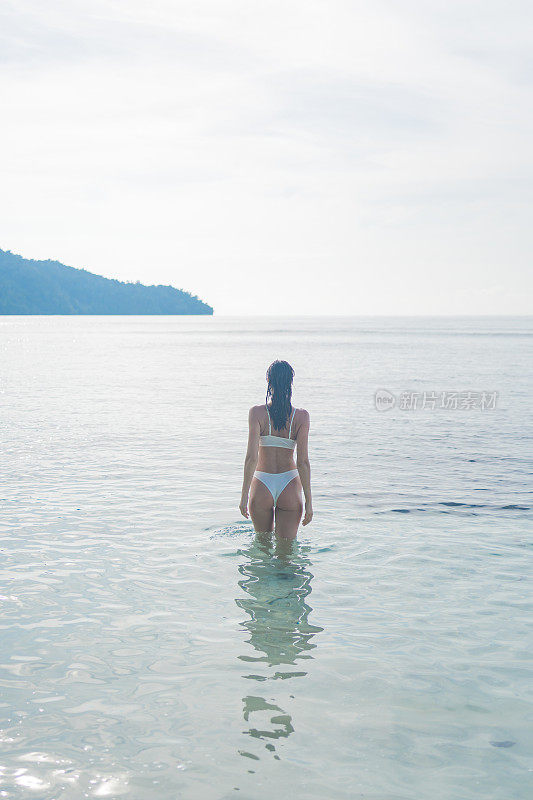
[277, 459]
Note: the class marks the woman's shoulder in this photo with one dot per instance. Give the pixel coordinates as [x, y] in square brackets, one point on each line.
[301, 415]
[257, 411]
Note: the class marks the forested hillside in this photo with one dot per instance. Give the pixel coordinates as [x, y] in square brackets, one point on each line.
[48, 287]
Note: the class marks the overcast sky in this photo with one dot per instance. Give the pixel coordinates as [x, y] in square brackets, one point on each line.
[274, 157]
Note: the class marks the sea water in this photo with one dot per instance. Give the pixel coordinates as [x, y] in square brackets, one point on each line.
[153, 647]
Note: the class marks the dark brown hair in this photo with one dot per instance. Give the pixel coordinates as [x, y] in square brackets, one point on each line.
[279, 390]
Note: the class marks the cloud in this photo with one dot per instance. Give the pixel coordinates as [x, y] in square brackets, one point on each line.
[357, 155]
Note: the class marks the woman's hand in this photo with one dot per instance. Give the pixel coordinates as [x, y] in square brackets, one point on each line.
[243, 506]
[308, 515]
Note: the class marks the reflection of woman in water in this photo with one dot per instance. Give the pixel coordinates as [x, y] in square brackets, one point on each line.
[277, 583]
[275, 429]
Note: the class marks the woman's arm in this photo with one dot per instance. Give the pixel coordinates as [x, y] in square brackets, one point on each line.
[304, 467]
[250, 461]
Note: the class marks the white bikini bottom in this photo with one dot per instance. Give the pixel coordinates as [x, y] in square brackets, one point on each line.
[276, 481]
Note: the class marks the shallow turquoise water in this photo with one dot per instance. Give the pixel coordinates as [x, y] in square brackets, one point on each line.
[153, 647]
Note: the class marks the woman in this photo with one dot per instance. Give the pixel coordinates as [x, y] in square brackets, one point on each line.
[276, 487]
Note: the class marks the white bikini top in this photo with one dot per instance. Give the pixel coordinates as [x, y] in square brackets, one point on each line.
[278, 441]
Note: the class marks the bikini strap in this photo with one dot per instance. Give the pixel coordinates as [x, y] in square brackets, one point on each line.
[290, 428]
[268, 414]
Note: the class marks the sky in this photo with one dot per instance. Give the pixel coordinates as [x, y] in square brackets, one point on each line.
[336, 157]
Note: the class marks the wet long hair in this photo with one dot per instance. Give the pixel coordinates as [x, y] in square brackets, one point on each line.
[279, 391]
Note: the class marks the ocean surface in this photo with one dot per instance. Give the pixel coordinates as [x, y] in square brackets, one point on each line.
[152, 647]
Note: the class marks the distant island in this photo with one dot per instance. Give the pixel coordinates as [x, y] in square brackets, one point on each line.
[48, 287]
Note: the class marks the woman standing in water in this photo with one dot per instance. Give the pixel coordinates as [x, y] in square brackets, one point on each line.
[276, 487]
